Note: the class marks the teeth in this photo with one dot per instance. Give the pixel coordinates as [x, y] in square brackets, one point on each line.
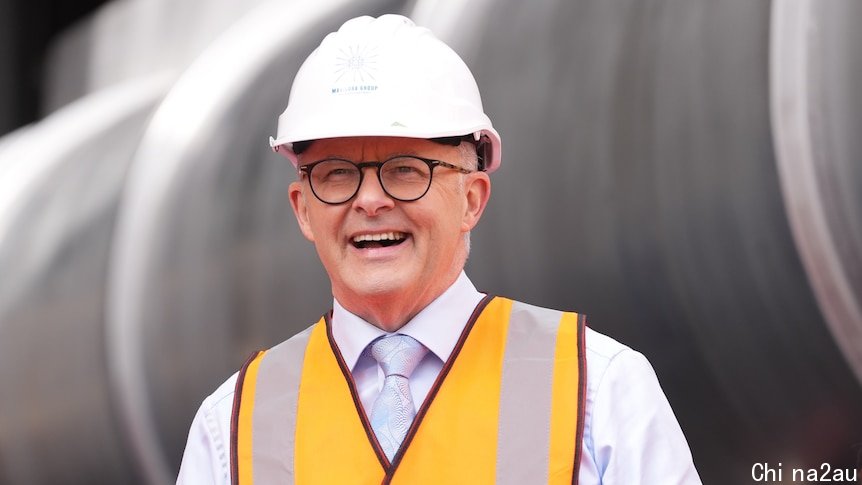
[386, 236]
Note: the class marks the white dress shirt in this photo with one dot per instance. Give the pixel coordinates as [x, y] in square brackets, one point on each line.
[631, 435]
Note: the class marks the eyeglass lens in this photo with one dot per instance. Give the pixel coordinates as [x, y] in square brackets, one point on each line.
[404, 178]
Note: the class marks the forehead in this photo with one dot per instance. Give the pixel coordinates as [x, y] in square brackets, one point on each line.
[363, 148]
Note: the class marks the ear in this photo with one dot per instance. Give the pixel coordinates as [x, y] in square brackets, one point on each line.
[477, 190]
[300, 209]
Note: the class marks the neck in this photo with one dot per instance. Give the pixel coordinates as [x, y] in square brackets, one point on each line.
[391, 311]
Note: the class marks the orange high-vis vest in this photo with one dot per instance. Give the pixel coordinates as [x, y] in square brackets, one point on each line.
[507, 407]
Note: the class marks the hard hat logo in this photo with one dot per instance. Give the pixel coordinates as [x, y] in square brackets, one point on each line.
[355, 69]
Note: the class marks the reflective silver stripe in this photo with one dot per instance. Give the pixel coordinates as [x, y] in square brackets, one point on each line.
[275, 403]
[523, 443]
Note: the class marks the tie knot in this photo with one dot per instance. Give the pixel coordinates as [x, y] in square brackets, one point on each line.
[398, 354]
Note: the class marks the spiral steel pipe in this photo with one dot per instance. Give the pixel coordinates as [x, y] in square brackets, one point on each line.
[684, 172]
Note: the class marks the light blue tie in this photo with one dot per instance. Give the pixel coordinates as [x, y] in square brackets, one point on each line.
[393, 411]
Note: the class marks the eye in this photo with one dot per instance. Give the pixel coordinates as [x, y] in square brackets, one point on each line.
[339, 171]
[405, 169]
[335, 171]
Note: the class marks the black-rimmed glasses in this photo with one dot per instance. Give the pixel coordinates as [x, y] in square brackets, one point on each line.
[403, 177]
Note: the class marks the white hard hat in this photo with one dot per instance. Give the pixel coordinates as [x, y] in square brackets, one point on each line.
[384, 77]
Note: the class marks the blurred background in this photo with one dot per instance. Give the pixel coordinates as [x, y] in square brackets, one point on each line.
[687, 173]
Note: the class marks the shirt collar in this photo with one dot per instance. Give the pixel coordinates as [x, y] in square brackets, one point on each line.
[437, 326]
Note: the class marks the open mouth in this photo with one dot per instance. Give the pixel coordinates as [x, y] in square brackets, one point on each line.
[384, 240]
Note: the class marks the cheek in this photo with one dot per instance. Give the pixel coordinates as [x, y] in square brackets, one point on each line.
[324, 225]
[446, 234]
[454, 222]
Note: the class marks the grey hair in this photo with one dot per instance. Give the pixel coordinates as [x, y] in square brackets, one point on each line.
[469, 155]
[470, 160]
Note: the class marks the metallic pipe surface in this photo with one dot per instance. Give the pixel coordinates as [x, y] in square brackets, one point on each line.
[132, 38]
[208, 262]
[684, 172]
[816, 113]
[58, 422]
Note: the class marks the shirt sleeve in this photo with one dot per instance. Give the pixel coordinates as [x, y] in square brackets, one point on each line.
[636, 438]
[206, 460]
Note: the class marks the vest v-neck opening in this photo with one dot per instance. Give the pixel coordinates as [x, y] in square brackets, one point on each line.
[357, 403]
[388, 467]
[432, 393]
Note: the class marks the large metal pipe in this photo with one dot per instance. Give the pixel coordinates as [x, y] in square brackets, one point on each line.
[127, 39]
[63, 178]
[652, 178]
[816, 111]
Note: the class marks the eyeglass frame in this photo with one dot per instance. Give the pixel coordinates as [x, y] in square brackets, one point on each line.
[432, 164]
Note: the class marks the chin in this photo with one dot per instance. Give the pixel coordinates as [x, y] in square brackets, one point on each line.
[378, 283]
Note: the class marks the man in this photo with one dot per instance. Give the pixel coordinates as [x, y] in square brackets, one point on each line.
[415, 376]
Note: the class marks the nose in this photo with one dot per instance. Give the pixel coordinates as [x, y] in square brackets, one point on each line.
[371, 198]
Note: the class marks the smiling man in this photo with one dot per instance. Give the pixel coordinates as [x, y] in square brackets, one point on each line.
[391, 234]
[415, 376]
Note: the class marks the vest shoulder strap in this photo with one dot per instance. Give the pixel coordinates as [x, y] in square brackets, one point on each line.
[260, 398]
[240, 456]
